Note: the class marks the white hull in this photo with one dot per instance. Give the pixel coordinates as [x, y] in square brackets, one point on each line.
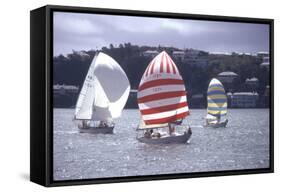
[218, 125]
[97, 130]
[171, 139]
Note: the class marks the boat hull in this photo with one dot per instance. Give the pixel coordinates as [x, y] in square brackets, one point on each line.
[97, 130]
[173, 139]
[218, 125]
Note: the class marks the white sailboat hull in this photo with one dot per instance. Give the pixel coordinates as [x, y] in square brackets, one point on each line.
[97, 130]
[218, 125]
[171, 139]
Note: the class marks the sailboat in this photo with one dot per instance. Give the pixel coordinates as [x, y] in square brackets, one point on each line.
[217, 105]
[162, 103]
[103, 96]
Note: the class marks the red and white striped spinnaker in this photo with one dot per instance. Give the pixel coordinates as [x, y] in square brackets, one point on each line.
[161, 92]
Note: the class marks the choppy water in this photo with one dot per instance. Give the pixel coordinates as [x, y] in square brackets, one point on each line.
[244, 144]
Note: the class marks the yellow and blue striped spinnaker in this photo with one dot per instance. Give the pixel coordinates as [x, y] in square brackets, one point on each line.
[217, 100]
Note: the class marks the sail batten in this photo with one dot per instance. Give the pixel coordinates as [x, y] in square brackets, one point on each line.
[161, 93]
[217, 100]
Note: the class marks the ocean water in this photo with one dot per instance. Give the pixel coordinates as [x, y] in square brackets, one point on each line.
[244, 144]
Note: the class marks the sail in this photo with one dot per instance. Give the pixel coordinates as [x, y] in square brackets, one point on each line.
[86, 97]
[142, 125]
[211, 117]
[109, 87]
[161, 92]
[217, 100]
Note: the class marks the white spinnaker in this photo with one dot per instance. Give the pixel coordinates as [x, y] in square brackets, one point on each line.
[86, 98]
[100, 104]
[111, 88]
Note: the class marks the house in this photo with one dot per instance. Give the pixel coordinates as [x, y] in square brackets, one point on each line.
[262, 54]
[179, 55]
[244, 99]
[196, 58]
[227, 76]
[65, 96]
[252, 83]
[265, 62]
[65, 89]
[150, 53]
[221, 53]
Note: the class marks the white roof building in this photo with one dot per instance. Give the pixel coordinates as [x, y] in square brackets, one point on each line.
[227, 73]
[265, 62]
[150, 53]
[62, 89]
[192, 57]
[263, 54]
[179, 54]
[227, 76]
[244, 99]
[220, 53]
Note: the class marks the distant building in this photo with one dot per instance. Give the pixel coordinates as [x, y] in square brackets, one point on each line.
[267, 91]
[150, 53]
[65, 89]
[65, 96]
[221, 53]
[82, 54]
[265, 62]
[227, 76]
[245, 54]
[133, 90]
[262, 54]
[265, 98]
[179, 55]
[244, 99]
[196, 58]
[252, 83]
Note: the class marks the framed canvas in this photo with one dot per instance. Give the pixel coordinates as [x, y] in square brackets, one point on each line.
[122, 95]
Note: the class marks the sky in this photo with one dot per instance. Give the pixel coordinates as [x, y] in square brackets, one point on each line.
[76, 31]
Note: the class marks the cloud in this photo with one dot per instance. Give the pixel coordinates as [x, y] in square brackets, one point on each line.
[179, 27]
[91, 31]
[75, 24]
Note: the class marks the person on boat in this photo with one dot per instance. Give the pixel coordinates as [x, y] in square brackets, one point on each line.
[226, 121]
[171, 128]
[189, 130]
[156, 134]
[84, 124]
[147, 133]
[179, 122]
[218, 119]
[103, 124]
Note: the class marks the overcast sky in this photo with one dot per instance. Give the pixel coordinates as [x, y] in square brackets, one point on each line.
[75, 31]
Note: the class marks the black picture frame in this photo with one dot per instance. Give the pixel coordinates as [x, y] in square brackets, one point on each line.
[41, 96]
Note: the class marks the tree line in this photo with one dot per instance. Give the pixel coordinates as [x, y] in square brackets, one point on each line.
[72, 68]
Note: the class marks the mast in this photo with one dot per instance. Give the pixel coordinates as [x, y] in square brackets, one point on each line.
[161, 92]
